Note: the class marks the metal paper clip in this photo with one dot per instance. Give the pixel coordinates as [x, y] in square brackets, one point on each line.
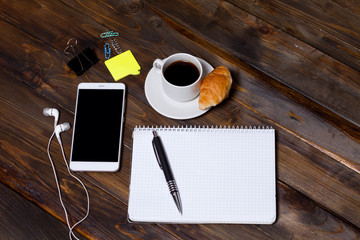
[73, 53]
[107, 50]
[70, 46]
[109, 34]
[116, 46]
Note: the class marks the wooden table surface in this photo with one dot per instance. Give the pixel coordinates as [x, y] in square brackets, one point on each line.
[295, 66]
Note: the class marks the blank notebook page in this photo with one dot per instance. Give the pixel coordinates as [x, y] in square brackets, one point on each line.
[224, 175]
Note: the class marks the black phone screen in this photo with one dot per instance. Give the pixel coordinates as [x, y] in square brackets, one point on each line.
[97, 127]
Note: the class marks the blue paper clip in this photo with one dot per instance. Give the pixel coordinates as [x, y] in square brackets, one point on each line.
[109, 34]
[107, 50]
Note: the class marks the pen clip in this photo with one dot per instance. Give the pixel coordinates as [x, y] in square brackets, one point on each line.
[156, 155]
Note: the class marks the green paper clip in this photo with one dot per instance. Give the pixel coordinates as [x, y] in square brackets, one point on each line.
[123, 65]
[109, 34]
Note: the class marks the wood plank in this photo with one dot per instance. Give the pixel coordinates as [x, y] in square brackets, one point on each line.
[214, 231]
[107, 181]
[310, 129]
[30, 114]
[108, 216]
[307, 127]
[267, 48]
[314, 224]
[243, 93]
[25, 168]
[330, 26]
[143, 113]
[20, 219]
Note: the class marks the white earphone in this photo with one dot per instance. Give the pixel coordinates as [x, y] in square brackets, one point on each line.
[52, 112]
[59, 128]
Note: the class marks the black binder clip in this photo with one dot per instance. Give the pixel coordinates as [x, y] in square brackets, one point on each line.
[80, 60]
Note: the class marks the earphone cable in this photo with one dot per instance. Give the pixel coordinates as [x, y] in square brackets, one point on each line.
[71, 233]
[82, 184]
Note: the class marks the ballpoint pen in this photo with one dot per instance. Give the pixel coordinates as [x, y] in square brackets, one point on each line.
[164, 165]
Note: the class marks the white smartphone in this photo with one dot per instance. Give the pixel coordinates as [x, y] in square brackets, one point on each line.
[97, 129]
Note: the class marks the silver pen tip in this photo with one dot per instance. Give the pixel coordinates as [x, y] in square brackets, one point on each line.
[177, 200]
[155, 133]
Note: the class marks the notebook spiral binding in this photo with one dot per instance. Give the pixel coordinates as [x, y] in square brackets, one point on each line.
[196, 128]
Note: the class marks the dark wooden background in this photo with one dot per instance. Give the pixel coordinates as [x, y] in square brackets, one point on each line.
[295, 66]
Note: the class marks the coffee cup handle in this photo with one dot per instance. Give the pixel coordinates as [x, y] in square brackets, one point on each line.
[158, 63]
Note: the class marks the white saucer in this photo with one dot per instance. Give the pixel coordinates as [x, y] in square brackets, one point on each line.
[165, 105]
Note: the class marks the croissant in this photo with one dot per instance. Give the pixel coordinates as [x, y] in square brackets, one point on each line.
[215, 87]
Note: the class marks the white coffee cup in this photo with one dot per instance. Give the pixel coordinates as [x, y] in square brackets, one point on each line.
[177, 92]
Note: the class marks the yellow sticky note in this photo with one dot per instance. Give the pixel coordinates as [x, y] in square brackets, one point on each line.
[123, 65]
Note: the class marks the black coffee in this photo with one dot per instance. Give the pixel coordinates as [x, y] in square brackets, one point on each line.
[181, 73]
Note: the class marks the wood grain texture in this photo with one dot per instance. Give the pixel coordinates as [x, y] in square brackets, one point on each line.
[25, 167]
[267, 48]
[330, 26]
[317, 145]
[117, 224]
[23, 220]
[346, 154]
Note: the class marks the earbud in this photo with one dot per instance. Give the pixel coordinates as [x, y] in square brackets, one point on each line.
[58, 128]
[52, 112]
[61, 128]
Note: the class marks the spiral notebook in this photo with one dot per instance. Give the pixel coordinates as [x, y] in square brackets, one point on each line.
[224, 175]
